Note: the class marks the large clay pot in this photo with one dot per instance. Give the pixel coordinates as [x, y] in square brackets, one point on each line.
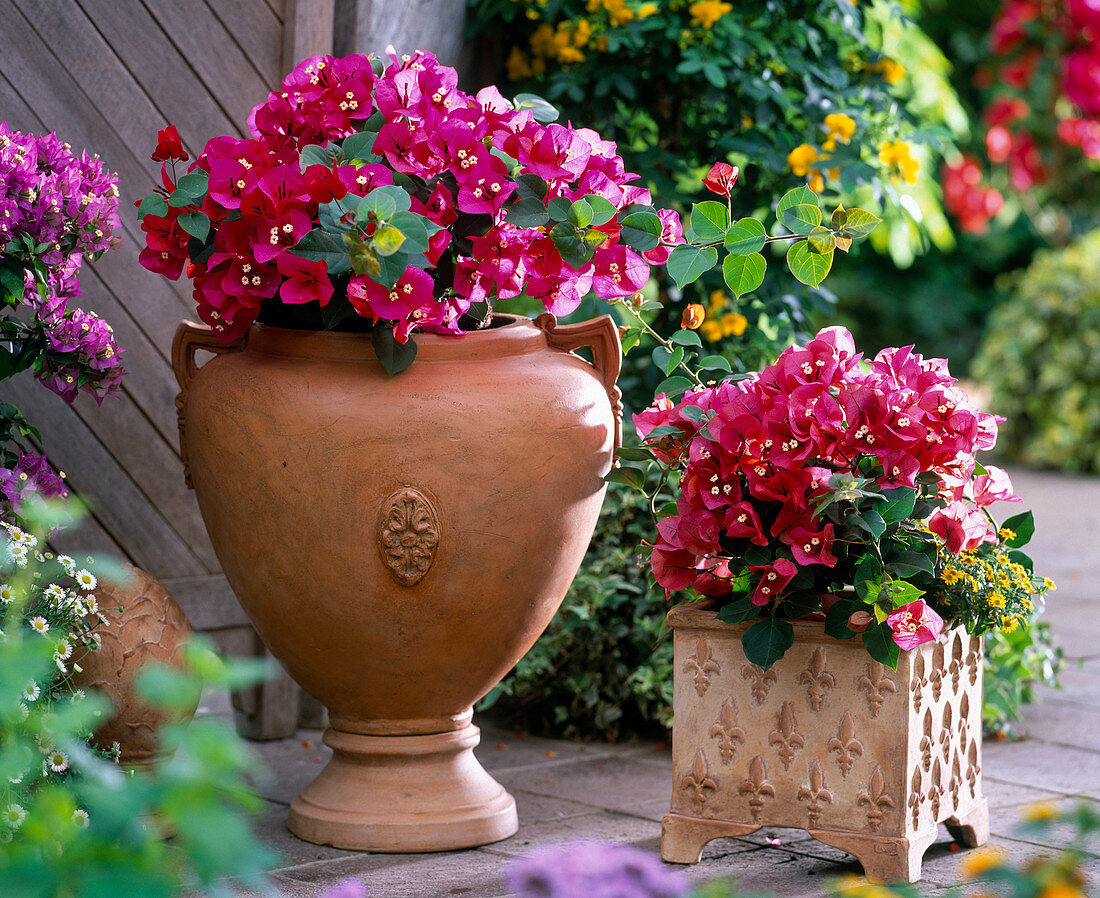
[144, 625]
[399, 543]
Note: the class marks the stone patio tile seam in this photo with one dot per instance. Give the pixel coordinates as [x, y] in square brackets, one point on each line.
[386, 860]
[1089, 853]
[558, 762]
[1052, 792]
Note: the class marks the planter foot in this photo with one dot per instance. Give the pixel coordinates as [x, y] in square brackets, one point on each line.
[403, 794]
[972, 828]
[683, 838]
[883, 858]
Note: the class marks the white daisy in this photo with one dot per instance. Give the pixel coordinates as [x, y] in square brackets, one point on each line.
[30, 540]
[41, 558]
[24, 711]
[85, 579]
[66, 562]
[39, 624]
[80, 818]
[13, 816]
[57, 761]
[62, 649]
[31, 691]
[15, 780]
[93, 641]
[7, 593]
[60, 665]
[55, 593]
[91, 606]
[19, 555]
[78, 695]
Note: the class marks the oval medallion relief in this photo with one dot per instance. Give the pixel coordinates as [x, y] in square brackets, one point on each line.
[408, 533]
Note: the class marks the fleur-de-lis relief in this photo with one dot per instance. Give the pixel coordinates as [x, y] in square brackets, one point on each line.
[763, 680]
[844, 743]
[817, 678]
[784, 735]
[964, 721]
[728, 733]
[954, 785]
[957, 662]
[876, 683]
[698, 781]
[926, 742]
[919, 680]
[703, 665]
[973, 769]
[876, 799]
[974, 659]
[915, 797]
[935, 789]
[936, 676]
[815, 794]
[945, 732]
[757, 786]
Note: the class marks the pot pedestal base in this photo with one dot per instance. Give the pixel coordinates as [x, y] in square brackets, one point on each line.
[399, 794]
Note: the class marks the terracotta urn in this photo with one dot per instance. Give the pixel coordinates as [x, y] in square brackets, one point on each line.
[144, 625]
[399, 543]
[864, 758]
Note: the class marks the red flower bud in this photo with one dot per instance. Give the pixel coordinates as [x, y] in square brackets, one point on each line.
[169, 146]
[692, 317]
[721, 178]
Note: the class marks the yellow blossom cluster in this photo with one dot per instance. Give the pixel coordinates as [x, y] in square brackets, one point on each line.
[891, 70]
[718, 324]
[840, 127]
[989, 590]
[898, 155]
[705, 13]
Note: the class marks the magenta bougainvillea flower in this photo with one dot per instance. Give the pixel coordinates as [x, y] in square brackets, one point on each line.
[914, 624]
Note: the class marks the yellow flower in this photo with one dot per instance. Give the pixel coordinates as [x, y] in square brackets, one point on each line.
[1062, 890]
[840, 126]
[542, 41]
[734, 324]
[617, 11]
[711, 330]
[517, 65]
[648, 9]
[800, 157]
[582, 32]
[898, 155]
[1040, 810]
[1048, 584]
[981, 860]
[717, 299]
[892, 71]
[705, 13]
[1006, 534]
[816, 183]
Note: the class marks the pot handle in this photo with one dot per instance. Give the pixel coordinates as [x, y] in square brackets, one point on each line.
[189, 337]
[601, 335]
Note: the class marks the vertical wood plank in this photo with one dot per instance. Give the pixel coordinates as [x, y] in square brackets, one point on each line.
[435, 25]
[259, 32]
[307, 30]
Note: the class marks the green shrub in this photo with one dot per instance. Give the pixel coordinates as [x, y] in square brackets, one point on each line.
[604, 666]
[1015, 663]
[1041, 358]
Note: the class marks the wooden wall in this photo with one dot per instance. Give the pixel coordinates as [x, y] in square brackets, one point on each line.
[106, 75]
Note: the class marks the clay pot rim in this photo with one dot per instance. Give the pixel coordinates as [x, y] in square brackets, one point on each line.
[517, 336]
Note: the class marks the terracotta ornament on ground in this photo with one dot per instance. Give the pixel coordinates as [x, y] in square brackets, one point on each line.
[864, 758]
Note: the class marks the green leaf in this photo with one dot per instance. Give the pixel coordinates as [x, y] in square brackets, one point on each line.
[743, 274]
[559, 208]
[836, 618]
[630, 339]
[840, 217]
[359, 146]
[529, 212]
[388, 240]
[821, 240]
[197, 224]
[801, 218]
[869, 520]
[384, 202]
[859, 223]
[687, 263]
[741, 610]
[390, 269]
[694, 414]
[878, 639]
[315, 154]
[634, 477]
[709, 221]
[153, 204]
[530, 186]
[810, 268]
[11, 279]
[543, 112]
[673, 387]
[641, 230]
[799, 196]
[632, 453]
[1022, 559]
[575, 251]
[686, 338]
[603, 210]
[1023, 525]
[898, 504]
[416, 229]
[395, 357]
[177, 199]
[667, 360]
[580, 214]
[766, 641]
[908, 563]
[331, 250]
[747, 236]
[194, 184]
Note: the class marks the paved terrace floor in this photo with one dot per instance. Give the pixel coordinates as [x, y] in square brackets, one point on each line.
[565, 790]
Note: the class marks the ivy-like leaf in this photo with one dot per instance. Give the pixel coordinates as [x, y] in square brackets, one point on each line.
[543, 112]
[741, 610]
[331, 250]
[859, 223]
[821, 240]
[579, 214]
[687, 263]
[897, 505]
[197, 224]
[559, 208]
[709, 221]
[743, 274]
[641, 230]
[836, 618]
[1023, 525]
[603, 210]
[798, 196]
[810, 268]
[715, 363]
[528, 212]
[673, 387]
[634, 477]
[359, 145]
[766, 641]
[685, 337]
[193, 184]
[388, 240]
[394, 356]
[747, 236]
[801, 218]
[880, 645]
[153, 204]
[667, 360]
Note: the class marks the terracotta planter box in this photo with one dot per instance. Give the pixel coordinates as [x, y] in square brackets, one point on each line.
[863, 758]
